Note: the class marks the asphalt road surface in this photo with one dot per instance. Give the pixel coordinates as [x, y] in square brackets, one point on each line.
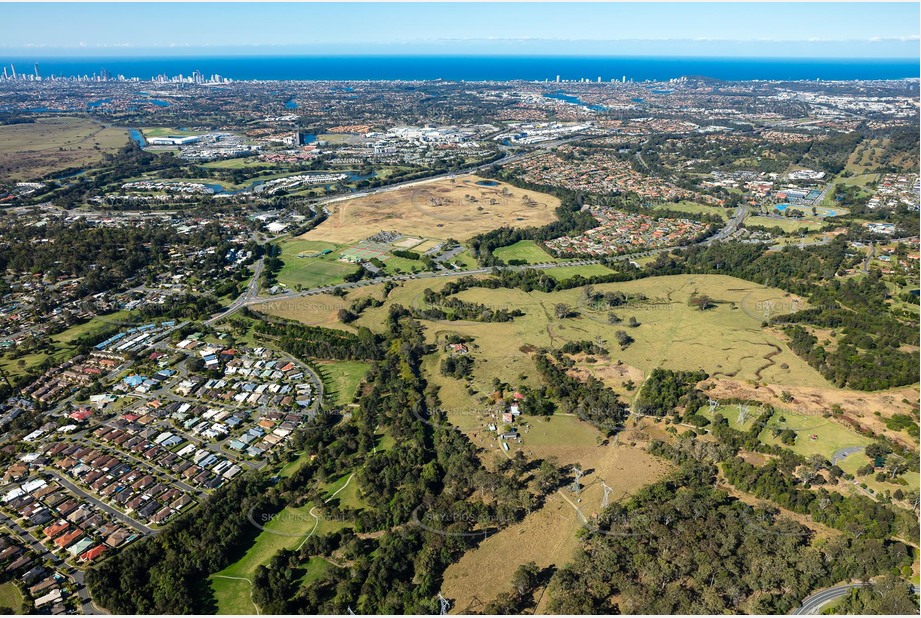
[813, 604]
[844, 452]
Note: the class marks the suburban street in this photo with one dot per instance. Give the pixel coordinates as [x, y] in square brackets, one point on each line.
[76, 575]
[102, 506]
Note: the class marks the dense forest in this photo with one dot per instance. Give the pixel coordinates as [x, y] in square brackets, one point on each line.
[316, 342]
[591, 400]
[665, 389]
[163, 573]
[857, 515]
[107, 257]
[683, 546]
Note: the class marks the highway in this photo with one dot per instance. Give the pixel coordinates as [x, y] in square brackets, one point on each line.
[251, 291]
[813, 604]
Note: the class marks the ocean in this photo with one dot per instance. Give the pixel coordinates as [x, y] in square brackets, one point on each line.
[477, 68]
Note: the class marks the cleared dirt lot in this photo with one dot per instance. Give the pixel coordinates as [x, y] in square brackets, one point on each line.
[51, 144]
[451, 208]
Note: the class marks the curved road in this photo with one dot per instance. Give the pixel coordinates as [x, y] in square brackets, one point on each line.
[844, 452]
[813, 604]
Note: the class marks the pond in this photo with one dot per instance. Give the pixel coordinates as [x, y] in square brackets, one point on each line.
[568, 98]
[138, 137]
[487, 183]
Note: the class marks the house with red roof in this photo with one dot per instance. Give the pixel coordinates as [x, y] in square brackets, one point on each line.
[92, 554]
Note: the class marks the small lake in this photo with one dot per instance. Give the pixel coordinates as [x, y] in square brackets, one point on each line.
[569, 98]
[100, 102]
[292, 104]
[487, 183]
[138, 137]
[68, 175]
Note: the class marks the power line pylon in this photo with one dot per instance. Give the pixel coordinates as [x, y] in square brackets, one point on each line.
[607, 494]
[445, 605]
[576, 487]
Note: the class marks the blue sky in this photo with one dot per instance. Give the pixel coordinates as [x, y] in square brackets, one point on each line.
[747, 29]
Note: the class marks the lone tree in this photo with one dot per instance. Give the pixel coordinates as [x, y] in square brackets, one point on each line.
[563, 311]
[525, 578]
[623, 339]
[703, 302]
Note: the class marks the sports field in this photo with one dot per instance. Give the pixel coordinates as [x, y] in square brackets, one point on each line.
[238, 163]
[304, 266]
[31, 150]
[341, 379]
[455, 208]
[697, 209]
[398, 265]
[589, 270]
[787, 224]
[526, 250]
[11, 597]
[169, 132]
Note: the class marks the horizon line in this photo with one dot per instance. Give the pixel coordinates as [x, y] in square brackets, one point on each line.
[113, 55]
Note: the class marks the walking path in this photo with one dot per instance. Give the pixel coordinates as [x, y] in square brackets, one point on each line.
[258, 612]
